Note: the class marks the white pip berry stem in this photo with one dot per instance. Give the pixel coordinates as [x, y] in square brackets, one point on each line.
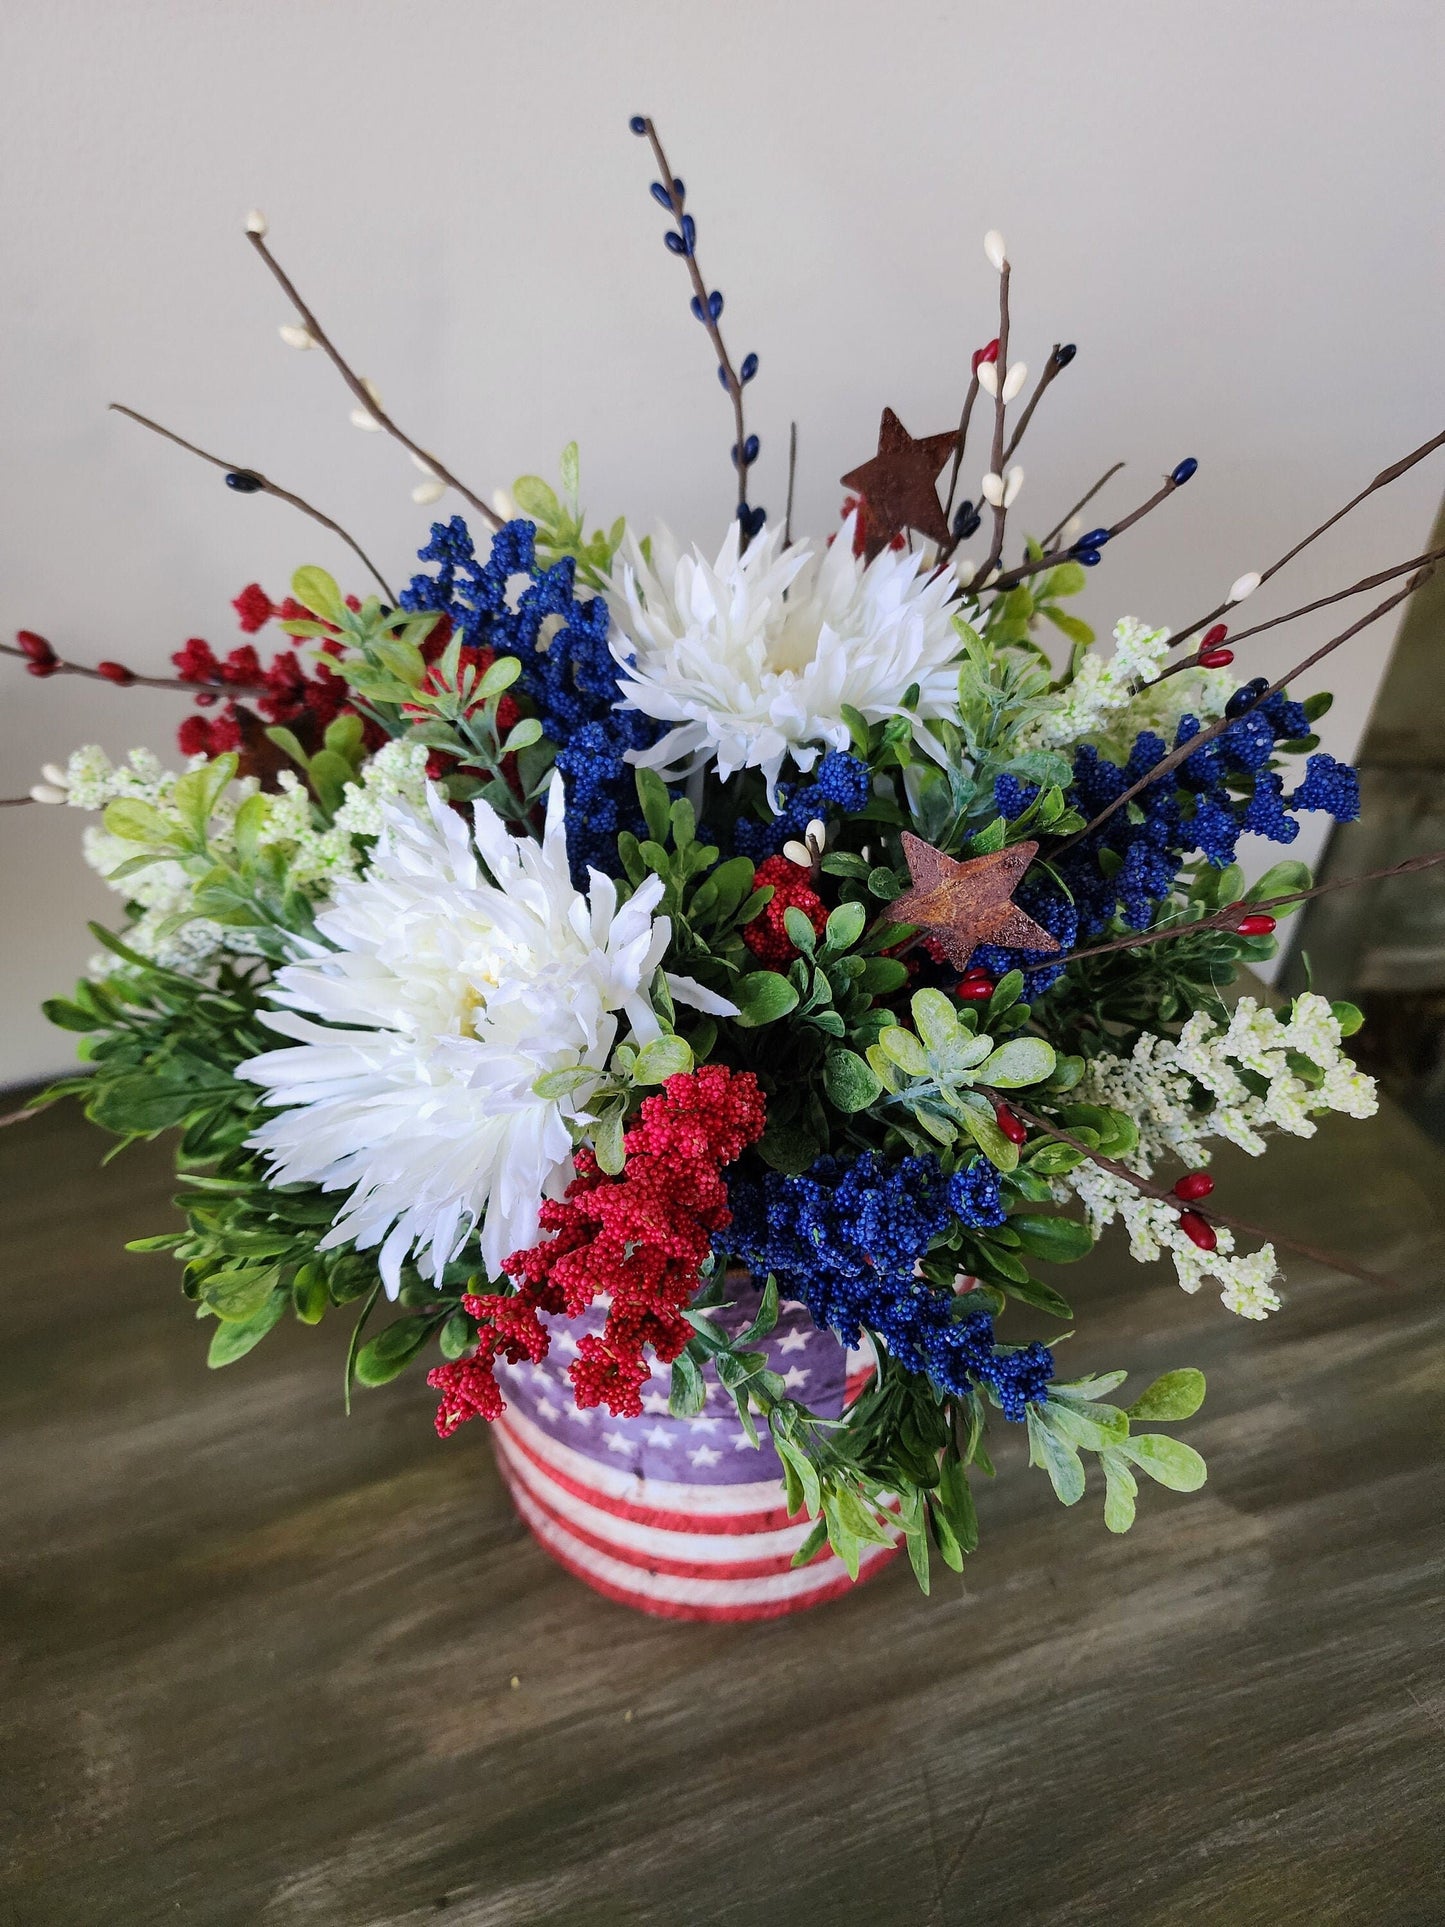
[365, 395]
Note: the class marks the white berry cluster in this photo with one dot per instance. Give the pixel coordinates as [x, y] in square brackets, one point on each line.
[1261, 1070]
[163, 891]
[1101, 686]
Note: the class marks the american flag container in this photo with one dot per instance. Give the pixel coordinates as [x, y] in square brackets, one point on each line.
[678, 1517]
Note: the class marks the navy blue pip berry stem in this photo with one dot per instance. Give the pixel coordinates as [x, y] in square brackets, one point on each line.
[707, 306]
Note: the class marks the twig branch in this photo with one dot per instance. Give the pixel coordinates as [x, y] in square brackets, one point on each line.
[359, 388]
[792, 479]
[700, 289]
[1147, 1188]
[965, 417]
[1229, 919]
[1053, 368]
[1207, 735]
[1083, 502]
[1308, 608]
[1382, 480]
[58, 666]
[1051, 558]
[263, 486]
[1000, 513]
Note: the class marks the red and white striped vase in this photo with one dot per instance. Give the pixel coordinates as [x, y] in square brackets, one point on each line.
[678, 1517]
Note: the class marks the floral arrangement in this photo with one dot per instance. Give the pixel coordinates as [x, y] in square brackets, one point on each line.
[597, 920]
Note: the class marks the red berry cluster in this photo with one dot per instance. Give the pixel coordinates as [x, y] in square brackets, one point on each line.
[283, 690]
[766, 936]
[642, 1236]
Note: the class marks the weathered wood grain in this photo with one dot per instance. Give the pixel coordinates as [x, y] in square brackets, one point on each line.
[257, 1658]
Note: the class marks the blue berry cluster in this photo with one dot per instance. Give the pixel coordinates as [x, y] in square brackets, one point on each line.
[1226, 788]
[840, 782]
[845, 1239]
[573, 681]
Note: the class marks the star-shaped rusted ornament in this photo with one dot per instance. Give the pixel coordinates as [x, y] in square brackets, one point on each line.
[965, 904]
[898, 484]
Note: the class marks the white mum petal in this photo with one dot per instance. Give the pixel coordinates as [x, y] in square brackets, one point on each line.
[751, 659]
[419, 1034]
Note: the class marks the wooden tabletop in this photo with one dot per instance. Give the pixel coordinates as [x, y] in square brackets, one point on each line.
[266, 1665]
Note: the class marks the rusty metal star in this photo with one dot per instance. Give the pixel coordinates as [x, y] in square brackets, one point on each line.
[898, 483]
[964, 904]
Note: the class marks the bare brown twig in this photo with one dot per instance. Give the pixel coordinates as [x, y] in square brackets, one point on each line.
[1382, 480]
[1083, 502]
[359, 388]
[264, 486]
[1229, 919]
[792, 479]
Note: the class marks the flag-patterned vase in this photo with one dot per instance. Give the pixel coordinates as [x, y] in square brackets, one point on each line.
[679, 1517]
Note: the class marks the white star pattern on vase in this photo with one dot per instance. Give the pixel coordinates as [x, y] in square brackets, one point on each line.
[655, 1403]
[546, 1409]
[793, 1341]
[795, 1377]
[704, 1455]
[615, 1442]
[704, 1424]
[660, 1437]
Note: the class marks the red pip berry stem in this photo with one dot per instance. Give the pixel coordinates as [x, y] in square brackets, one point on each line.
[1382, 480]
[1331, 1260]
[111, 672]
[1198, 1230]
[1221, 657]
[1012, 1126]
[263, 486]
[1193, 1186]
[974, 990]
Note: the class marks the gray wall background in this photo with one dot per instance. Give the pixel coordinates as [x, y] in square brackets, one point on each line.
[1232, 208]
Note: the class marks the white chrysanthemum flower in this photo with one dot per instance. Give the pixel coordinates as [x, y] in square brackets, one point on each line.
[754, 657]
[446, 991]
